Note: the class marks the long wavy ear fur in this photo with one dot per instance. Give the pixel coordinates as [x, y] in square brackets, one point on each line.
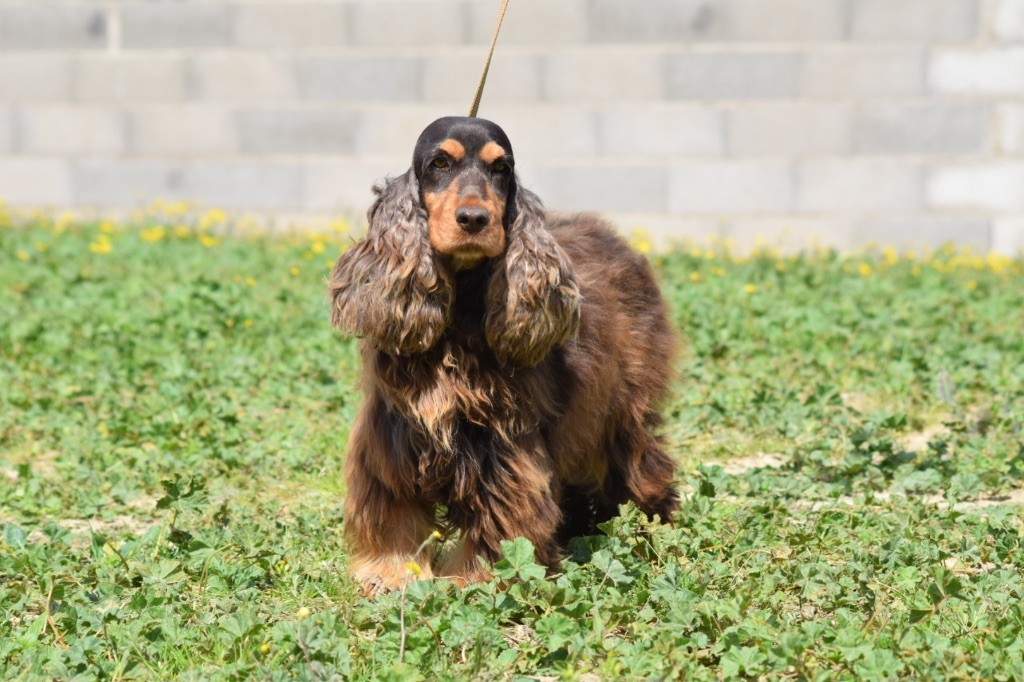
[533, 302]
[390, 287]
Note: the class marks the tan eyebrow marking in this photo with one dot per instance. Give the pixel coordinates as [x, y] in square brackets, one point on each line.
[453, 148]
[491, 152]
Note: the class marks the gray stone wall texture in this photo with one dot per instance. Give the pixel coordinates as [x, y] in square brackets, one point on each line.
[846, 121]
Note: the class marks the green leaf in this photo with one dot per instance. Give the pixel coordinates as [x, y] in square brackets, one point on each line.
[14, 536]
[518, 561]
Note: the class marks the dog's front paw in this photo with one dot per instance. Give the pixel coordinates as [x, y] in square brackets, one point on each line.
[377, 575]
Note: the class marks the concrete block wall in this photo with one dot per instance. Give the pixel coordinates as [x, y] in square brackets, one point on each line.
[845, 121]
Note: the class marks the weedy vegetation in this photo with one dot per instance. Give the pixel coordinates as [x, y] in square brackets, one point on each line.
[174, 410]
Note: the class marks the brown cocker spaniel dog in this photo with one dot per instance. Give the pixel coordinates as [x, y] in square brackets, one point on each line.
[514, 362]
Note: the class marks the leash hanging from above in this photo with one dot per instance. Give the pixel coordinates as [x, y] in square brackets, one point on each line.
[487, 62]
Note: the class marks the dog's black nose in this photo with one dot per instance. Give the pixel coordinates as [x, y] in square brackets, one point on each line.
[472, 219]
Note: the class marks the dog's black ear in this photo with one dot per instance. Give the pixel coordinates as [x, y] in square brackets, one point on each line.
[390, 287]
[533, 302]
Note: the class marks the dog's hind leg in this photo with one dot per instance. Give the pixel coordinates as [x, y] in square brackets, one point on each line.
[640, 472]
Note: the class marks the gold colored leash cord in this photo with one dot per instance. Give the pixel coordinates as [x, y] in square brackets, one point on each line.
[487, 62]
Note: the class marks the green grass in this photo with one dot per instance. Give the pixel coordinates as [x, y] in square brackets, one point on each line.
[174, 410]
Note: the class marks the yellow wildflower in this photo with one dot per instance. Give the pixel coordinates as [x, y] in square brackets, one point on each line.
[891, 255]
[248, 322]
[41, 246]
[303, 612]
[972, 285]
[209, 241]
[181, 231]
[640, 241]
[101, 245]
[250, 281]
[750, 288]
[106, 227]
[213, 217]
[414, 568]
[718, 271]
[295, 272]
[317, 247]
[153, 234]
[696, 277]
[22, 255]
[864, 269]
[339, 226]
[65, 220]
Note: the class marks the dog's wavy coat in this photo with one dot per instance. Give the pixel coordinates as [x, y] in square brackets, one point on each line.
[513, 361]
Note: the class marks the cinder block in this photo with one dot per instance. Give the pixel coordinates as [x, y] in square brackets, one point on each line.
[780, 20]
[344, 185]
[660, 131]
[359, 79]
[856, 72]
[182, 130]
[1010, 129]
[241, 76]
[401, 23]
[1008, 19]
[858, 186]
[731, 187]
[977, 72]
[291, 25]
[670, 21]
[391, 131]
[6, 131]
[729, 75]
[1008, 236]
[788, 234]
[158, 26]
[297, 131]
[993, 186]
[619, 187]
[34, 78]
[123, 183]
[917, 231]
[129, 78]
[603, 76]
[39, 26]
[252, 185]
[452, 78]
[530, 22]
[922, 129]
[539, 134]
[26, 181]
[789, 129]
[926, 20]
[71, 130]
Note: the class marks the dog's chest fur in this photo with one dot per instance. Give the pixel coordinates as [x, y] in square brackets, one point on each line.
[464, 413]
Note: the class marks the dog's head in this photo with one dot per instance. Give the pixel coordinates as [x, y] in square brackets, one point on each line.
[466, 174]
[458, 207]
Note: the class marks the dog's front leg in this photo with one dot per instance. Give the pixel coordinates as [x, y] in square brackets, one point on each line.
[387, 528]
[518, 496]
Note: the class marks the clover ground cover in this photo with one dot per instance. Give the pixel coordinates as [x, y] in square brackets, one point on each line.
[174, 410]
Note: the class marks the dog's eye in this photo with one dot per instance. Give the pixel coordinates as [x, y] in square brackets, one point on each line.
[499, 167]
[440, 162]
